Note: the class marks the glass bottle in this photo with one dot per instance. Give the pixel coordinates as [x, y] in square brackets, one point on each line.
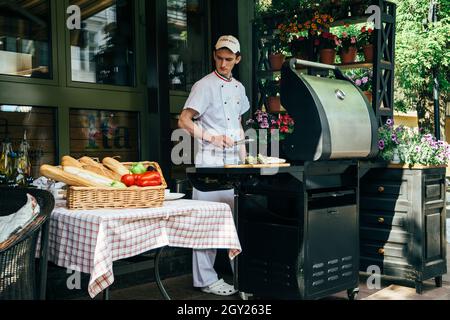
[23, 165]
[6, 165]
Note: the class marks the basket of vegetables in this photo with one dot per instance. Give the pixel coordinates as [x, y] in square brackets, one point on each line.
[110, 184]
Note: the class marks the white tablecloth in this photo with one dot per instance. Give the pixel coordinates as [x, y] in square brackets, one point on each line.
[89, 241]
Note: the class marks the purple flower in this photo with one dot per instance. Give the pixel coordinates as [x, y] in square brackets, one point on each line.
[365, 80]
[394, 138]
[358, 82]
[390, 122]
[418, 149]
[381, 145]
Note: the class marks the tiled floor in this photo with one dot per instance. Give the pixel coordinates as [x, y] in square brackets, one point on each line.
[180, 288]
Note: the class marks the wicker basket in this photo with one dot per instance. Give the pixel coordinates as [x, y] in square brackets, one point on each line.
[89, 198]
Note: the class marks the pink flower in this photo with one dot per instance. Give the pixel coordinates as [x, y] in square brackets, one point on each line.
[365, 80]
[344, 34]
[353, 41]
[358, 82]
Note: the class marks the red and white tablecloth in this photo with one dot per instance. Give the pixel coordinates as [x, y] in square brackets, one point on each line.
[89, 241]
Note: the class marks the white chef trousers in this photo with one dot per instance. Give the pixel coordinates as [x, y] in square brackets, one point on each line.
[203, 272]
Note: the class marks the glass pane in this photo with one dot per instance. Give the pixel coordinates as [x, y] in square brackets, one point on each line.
[25, 38]
[38, 125]
[187, 43]
[100, 134]
[103, 50]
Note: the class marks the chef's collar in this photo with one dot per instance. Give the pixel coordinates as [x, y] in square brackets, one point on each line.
[223, 77]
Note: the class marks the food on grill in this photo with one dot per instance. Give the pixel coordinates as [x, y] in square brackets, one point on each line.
[261, 159]
[60, 175]
[115, 166]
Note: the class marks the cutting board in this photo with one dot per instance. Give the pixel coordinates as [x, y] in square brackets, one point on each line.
[256, 166]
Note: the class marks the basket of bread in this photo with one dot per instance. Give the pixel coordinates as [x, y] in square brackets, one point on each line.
[110, 184]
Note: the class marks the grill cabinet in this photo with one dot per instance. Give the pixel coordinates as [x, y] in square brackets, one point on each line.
[333, 118]
[298, 226]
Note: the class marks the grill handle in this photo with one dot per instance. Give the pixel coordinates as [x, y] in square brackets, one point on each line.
[337, 72]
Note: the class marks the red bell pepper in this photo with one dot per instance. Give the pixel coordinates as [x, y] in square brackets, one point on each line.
[148, 179]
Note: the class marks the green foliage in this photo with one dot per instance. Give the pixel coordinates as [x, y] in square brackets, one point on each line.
[419, 49]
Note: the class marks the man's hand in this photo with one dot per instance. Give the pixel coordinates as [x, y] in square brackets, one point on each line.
[222, 141]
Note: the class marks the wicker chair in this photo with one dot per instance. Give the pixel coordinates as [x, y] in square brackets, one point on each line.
[18, 280]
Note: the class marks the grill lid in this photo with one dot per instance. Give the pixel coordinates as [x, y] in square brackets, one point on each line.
[333, 118]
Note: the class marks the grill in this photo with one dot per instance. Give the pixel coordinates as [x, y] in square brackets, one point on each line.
[333, 117]
[298, 226]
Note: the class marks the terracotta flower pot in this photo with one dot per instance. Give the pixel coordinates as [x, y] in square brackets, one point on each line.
[327, 56]
[276, 61]
[274, 104]
[368, 94]
[348, 56]
[368, 53]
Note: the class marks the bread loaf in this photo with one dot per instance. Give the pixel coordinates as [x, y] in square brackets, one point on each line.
[70, 162]
[97, 179]
[115, 166]
[58, 174]
[103, 171]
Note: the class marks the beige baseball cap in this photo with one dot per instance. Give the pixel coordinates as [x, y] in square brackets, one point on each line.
[229, 42]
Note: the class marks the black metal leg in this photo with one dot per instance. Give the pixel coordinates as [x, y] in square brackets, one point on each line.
[43, 261]
[438, 281]
[106, 296]
[419, 287]
[157, 277]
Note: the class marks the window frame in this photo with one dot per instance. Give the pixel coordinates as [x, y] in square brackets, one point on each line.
[53, 49]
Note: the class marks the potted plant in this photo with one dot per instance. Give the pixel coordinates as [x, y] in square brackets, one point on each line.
[363, 80]
[347, 44]
[266, 124]
[272, 91]
[366, 41]
[406, 146]
[327, 47]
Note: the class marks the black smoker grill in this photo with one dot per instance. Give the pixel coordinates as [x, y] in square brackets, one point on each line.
[298, 226]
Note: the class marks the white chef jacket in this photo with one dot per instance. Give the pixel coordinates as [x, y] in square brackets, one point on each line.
[220, 103]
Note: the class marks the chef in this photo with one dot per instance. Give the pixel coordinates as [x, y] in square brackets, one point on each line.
[212, 114]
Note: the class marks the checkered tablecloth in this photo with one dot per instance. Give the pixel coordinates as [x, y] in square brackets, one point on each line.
[90, 241]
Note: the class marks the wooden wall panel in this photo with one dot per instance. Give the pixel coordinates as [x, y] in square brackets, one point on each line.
[99, 134]
[40, 127]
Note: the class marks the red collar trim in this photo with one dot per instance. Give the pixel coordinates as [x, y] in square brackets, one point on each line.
[222, 77]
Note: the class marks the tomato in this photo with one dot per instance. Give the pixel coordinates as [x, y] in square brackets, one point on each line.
[128, 180]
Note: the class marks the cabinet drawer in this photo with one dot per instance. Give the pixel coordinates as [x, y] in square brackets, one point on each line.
[386, 189]
[383, 235]
[383, 204]
[384, 219]
[384, 250]
[434, 189]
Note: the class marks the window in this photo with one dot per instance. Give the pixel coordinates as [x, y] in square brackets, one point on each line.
[38, 125]
[25, 38]
[187, 43]
[99, 134]
[103, 50]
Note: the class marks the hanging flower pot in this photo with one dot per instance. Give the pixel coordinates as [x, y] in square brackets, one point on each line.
[368, 94]
[368, 53]
[274, 104]
[348, 56]
[276, 61]
[327, 56]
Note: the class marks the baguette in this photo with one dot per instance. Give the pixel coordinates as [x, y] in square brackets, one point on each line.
[90, 162]
[115, 166]
[97, 179]
[103, 171]
[70, 162]
[57, 174]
